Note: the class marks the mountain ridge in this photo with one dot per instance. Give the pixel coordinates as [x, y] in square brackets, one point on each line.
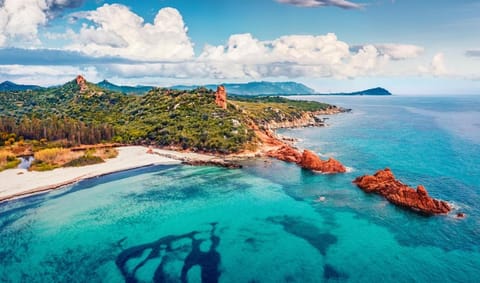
[11, 86]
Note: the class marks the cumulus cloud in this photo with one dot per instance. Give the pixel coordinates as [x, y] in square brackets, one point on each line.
[116, 31]
[400, 51]
[296, 56]
[245, 57]
[472, 53]
[19, 20]
[322, 3]
[437, 66]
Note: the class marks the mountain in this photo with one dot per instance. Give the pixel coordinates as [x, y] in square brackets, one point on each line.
[125, 89]
[10, 86]
[257, 88]
[371, 91]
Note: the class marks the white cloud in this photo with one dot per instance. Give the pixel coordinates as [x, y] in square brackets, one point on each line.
[162, 49]
[322, 3]
[437, 67]
[19, 20]
[400, 51]
[116, 31]
[298, 56]
[45, 75]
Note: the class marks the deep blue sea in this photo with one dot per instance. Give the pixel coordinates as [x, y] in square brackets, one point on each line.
[261, 223]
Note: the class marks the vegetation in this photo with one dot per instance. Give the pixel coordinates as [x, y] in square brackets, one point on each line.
[8, 160]
[84, 160]
[274, 108]
[186, 119]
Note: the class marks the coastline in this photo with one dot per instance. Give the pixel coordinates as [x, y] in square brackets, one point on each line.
[18, 183]
[21, 183]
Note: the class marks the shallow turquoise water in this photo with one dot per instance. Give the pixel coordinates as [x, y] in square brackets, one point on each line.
[261, 223]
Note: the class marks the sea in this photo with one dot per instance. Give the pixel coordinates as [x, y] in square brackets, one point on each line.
[265, 222]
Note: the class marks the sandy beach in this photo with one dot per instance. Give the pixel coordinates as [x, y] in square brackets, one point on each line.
[15, 183]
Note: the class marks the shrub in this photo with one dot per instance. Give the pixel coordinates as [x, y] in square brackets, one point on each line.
[84, 160]
[6, 156]
[54, 156]
[106, 153]
[8, 160]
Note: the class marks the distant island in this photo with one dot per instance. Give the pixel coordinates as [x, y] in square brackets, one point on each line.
[371, 91]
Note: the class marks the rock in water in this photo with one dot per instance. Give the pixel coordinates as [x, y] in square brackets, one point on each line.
[385, 184]
[286, 153]
[311, 161]
[308, 160]
[221, 97]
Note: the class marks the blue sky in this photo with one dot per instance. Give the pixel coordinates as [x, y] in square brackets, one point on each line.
[409, 47]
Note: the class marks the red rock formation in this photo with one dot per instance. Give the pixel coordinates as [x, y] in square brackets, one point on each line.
[286, 153]
[385, 184]
[221, 97]
[311, 161]
[307, 160]
[82, 83]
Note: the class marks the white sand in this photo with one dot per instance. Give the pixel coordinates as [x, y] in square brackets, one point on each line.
[15, 183]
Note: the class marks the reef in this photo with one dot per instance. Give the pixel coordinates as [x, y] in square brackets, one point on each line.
[167, 249]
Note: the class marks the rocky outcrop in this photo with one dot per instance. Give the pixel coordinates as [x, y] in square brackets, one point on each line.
[221, 97]
[82, 83]
[384, 183]
[308, 160]
[311, 161]
[286, 153]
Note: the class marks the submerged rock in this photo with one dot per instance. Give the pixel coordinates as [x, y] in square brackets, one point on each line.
[385, 184]
[311, 161]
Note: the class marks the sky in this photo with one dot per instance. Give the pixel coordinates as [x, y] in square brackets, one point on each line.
[410, 47]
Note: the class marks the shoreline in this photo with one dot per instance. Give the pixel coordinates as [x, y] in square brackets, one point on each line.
[20, 183]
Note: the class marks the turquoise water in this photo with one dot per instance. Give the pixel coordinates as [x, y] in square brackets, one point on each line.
[261, 223]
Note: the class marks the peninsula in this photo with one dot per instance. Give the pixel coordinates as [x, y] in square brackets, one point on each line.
[201, 121]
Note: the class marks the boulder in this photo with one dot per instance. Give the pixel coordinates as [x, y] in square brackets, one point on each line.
[384, 183]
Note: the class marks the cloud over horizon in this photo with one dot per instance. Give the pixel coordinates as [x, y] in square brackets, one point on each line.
[322, 3]
[472, 53]
[133, 49]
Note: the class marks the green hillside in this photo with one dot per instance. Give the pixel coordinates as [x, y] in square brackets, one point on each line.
[187, 119]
